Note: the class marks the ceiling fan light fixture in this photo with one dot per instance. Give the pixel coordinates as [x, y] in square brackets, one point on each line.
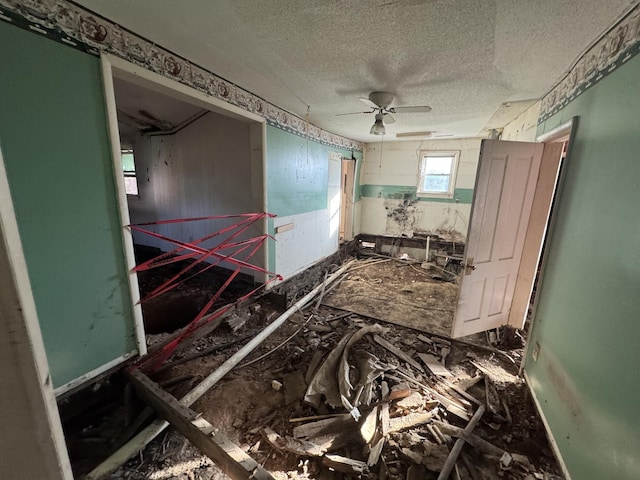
[378, 128]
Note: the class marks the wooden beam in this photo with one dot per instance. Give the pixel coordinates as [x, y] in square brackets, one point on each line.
[397, 352]
[457, 447]
[142, 439]
[231, 459]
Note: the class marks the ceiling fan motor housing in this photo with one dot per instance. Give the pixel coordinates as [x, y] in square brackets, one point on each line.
[382, 99]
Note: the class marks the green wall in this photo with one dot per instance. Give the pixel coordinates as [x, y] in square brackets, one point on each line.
[298, 172]
[298, 175]
[53, 136]
[587, 321]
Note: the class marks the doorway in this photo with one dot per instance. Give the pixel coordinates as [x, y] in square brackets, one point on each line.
[180, 155]
[347, 203]
[513, 198]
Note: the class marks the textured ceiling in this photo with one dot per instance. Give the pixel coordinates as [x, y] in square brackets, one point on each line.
[463, 58]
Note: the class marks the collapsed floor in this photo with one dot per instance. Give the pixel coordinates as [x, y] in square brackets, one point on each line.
[353, 386]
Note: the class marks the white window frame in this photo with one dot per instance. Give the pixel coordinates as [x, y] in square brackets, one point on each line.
[424, 154]
[130, 174]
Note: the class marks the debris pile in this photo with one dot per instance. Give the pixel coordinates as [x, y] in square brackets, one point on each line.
[378, 407]
[334, 393]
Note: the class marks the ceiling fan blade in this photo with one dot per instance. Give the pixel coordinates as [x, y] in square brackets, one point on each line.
[352, 113]
[368, 103]
[416, 109]
[389, 119]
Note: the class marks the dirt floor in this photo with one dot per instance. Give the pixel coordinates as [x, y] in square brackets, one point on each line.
[291, 403]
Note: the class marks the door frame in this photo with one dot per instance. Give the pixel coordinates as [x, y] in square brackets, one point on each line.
[111, 66]
[566, 129]
[347, 206]
[29, 368]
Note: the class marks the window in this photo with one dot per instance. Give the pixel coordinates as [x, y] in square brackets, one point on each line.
[438, 173]
[129, 169]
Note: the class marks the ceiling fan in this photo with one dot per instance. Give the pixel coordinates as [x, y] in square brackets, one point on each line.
[380, 102]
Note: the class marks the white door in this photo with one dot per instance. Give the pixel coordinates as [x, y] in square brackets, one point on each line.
[505, 184]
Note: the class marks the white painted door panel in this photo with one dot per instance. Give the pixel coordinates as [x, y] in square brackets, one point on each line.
[506, 180]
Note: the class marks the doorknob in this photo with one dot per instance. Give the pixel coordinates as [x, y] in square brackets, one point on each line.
[469, 266]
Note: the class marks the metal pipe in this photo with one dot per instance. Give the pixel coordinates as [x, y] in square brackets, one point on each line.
[138, 442]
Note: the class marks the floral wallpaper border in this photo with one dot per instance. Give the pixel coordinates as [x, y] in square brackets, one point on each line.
[616, 47]
[79, 28]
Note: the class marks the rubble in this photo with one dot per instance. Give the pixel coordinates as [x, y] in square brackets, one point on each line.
[367, 399]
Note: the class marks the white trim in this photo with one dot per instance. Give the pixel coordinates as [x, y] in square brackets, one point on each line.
[10, 236]
[122, 69]
[552, 440]
[265, 202]
[556, 133]
[94, 373]
[123, 208]
[153, 81]
[567, 128]
[454, 173]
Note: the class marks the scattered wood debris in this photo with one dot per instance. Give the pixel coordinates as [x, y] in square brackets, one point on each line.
[357, 398]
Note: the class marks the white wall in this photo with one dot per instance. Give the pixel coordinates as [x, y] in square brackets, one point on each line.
[357, 218]
[310, 236]
[212, 167]
[398, 167]
[523, 127]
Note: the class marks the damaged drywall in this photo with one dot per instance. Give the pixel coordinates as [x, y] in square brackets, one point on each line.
[390, 202]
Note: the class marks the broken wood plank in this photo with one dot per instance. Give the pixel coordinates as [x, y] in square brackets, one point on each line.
[229, 457]
[370, 425]
[344, 464]
[466, 384]
[397, 352]
[384, 391]
[463, 393]
[313, 365]
[315, 417]
[435, 455]
[325, 425]
[384, 419]
[507, 412]
[411, 455]
[409, 421]
[457, 447]
[435, 436]
[374, 453]
[451, 406]
[321, 296]
[413, 401]
[434, 365]
[478, 442]
[118, 458]
[444, 438]
[303, 448]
